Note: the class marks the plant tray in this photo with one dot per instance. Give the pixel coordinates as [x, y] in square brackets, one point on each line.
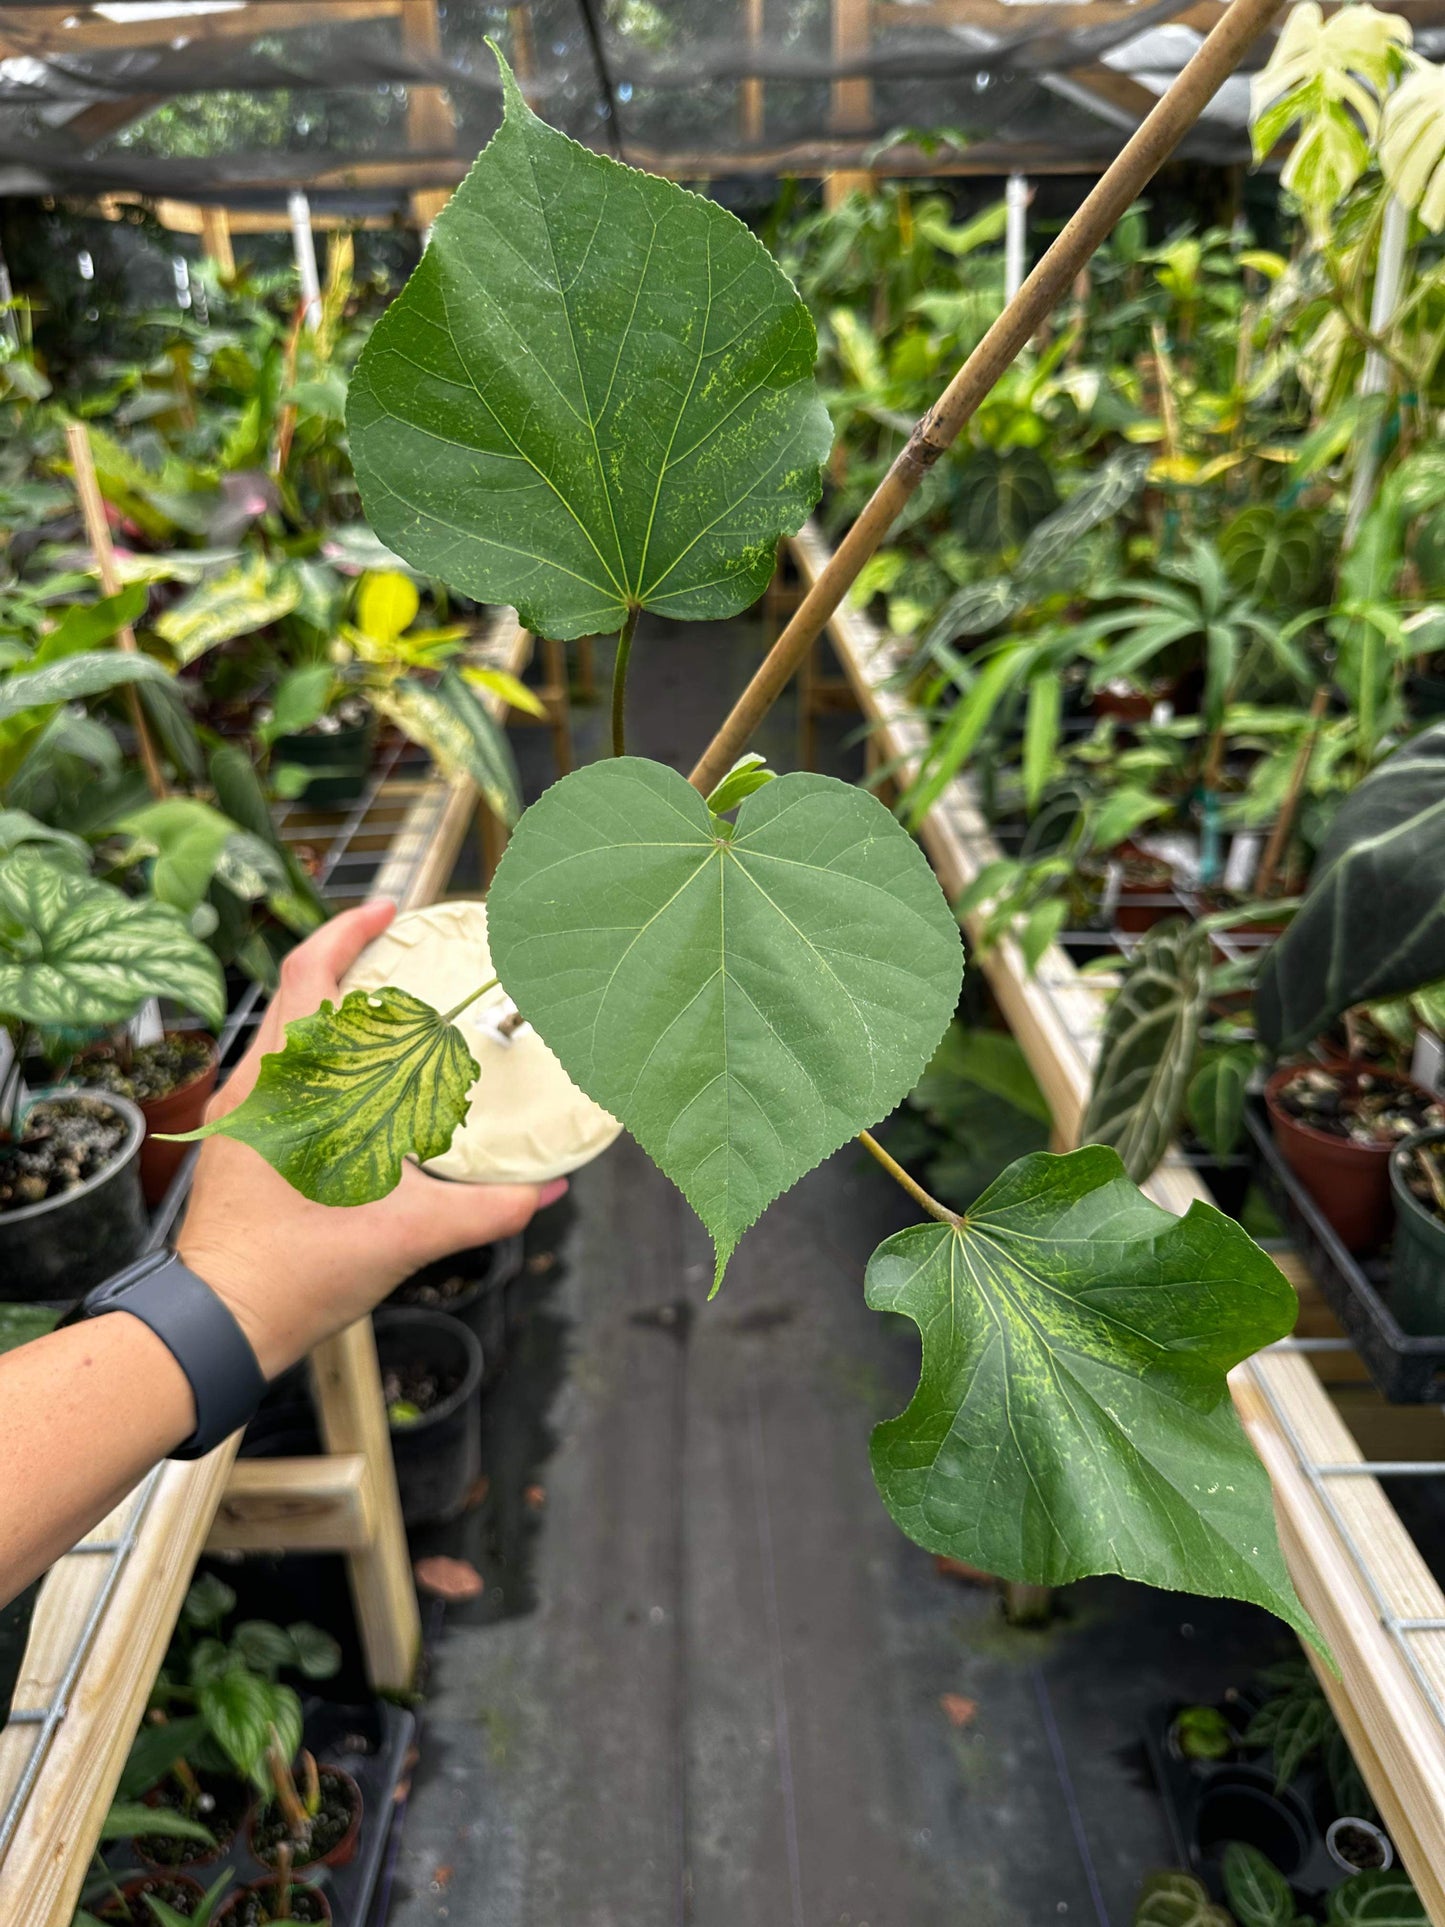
[1206, 1800]
[377, 1764]
[1407, 1369]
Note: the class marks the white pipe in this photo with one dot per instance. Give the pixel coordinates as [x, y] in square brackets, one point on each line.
[304, 244]
[1015, 241]
[1375, 376]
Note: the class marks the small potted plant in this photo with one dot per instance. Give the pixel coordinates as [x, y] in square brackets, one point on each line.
[313, 1816]
[1417, 1271]
[169, 1080]
[431, 1374]
[1336, 1125]
[166, 1910]
[76, 954]
[268, 1903]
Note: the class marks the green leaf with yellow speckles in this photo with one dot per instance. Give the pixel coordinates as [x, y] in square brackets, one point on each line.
[595, 393]
[358, 1088]
[1072, 1415]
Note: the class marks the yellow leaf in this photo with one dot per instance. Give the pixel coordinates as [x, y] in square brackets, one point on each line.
[500, 682]
[386, 604]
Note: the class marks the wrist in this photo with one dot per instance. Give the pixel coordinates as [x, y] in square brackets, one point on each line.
[244, 1292]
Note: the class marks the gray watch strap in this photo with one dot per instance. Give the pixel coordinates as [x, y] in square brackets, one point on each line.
[200, 1333]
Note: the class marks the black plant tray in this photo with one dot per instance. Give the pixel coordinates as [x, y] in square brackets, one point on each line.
[1208, 1802]
[1408, 1370]
[377, 1764]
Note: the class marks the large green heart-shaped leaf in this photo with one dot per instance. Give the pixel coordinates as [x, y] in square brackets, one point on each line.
[357, 1089]
[1072, 1415]
[1372, 923]
[76, 952]
[594, 394]
[744, 1003]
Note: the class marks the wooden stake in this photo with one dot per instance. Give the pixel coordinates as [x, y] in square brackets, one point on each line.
[1279, 836]
[1049, 283]
[92, 507]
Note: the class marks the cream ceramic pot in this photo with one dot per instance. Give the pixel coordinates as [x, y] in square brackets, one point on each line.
[526, 1120]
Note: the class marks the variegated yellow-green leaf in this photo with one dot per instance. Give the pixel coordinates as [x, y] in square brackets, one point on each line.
[447, 718]
[1331, 76]
[359, 1087]
[77, 952]
[744, 1000]
[595, 394]
[1412, 144]
[243, 600]
[1072, 1415]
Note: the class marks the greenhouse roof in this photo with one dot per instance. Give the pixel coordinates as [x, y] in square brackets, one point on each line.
[237, 100]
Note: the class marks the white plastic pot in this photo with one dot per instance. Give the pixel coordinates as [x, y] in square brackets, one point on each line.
[526, 1120]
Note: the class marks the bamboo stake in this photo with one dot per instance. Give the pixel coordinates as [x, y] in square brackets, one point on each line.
[1041, 293]
[1279, 836]
[92, 507]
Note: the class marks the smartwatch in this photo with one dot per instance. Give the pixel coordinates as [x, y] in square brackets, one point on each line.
[200, 1333]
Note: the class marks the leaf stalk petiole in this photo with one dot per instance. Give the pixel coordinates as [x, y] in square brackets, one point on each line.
[915, 1190]
[619, 682]
[451, 1016]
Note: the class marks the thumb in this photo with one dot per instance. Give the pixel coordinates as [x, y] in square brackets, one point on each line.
[461, 1215]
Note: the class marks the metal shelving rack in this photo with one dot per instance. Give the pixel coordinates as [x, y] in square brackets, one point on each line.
[105, 1611]
[1378, 1603]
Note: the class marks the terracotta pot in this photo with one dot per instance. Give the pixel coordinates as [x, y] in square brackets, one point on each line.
[179, 1110]
[133, 1893]
[345, 1849]
[231, 1911]
[204, 1856]
[1349, 1182]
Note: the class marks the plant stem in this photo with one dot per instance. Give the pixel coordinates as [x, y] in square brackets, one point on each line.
[915, 1190]
[1048, 285]
[451, 1016]
[619, 683]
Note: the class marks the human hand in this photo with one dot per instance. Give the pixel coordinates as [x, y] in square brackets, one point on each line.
[294, 1272]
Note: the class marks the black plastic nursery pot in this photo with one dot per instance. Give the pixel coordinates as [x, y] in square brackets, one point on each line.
[439, 1453]
[341, 762]
[472, 1286]
[57, 1249]
[1417, 1269]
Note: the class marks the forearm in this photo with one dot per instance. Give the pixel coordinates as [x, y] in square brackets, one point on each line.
[84, 1414]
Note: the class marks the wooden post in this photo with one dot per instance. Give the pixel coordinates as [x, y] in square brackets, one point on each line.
[216, 238]
[346, 1382]
[852, 104]
[430, 121]
[559, 709]
[92, 507]
[750, 94]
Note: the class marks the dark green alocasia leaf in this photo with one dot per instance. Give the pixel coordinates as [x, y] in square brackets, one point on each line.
[1146, 1055]
[1214, 1101]
[1377, 1899]
[1372, 922]
[595, 393]
[1257, 1892]
[77, 952]
[72, 677]
[744, 1004]
[1072, 1415]
[359, 1087]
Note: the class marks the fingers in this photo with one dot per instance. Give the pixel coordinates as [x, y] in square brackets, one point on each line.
[457, 1216]
[314, 969]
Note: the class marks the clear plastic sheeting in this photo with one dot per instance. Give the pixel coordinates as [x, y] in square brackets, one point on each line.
[205, 99]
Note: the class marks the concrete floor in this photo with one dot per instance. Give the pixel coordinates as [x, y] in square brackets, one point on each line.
[707, 1681]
